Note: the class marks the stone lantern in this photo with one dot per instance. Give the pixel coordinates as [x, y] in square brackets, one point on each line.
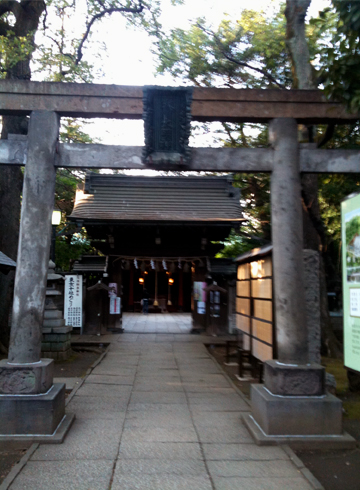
[56, 341]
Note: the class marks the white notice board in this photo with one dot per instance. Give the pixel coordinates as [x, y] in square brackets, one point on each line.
[73, 301]
[115, 305]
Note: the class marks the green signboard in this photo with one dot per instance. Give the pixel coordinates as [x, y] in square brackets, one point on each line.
[350, 230]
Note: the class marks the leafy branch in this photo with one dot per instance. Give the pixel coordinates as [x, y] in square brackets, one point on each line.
[230, 57]
[105, 11]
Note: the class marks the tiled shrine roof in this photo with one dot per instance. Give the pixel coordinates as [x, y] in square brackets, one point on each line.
[128, 198]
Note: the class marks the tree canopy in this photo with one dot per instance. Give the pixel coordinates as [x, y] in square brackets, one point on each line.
[339, 51]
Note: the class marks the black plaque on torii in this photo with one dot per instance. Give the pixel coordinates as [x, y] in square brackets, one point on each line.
[167, 117]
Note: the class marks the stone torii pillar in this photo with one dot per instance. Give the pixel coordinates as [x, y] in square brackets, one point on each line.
[292, 406]
[287, 240]
[30, 404]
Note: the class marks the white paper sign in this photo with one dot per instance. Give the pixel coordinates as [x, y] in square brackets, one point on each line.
[73, 300]
[113, 285]
[115, 305]
[355, 302]
[201, 305]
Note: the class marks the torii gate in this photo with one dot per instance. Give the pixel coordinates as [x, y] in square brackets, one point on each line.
[293, 405]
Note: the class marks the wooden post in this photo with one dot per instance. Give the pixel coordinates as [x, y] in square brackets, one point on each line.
[131, 286]
[181, 292]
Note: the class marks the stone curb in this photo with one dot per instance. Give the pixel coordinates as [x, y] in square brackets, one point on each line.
[18, 467]
[23, 461]
[314, 482]
[238, 391]
[88, 372]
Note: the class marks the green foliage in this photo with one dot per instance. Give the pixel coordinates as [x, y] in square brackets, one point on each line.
[333, 189]
[13, 49]
[67, 250]
[255, 200]
[58, 56]
[249, 52]
[338, 28]
[69, 247]
[238, 243]
[71, 131]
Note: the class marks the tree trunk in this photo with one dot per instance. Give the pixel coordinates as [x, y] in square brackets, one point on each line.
[27, 20]
[295, 13]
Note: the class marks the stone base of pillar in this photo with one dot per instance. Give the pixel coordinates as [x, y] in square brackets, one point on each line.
[38, 417]
[26, 379]
[56, 342]
[301, 415]
[315, 442]
[293, 408]
[293, 379]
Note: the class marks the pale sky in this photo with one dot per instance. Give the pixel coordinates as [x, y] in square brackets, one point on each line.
[128, 59]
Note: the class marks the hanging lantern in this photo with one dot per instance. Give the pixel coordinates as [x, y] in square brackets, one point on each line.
[164, 265]
[141, 280]
[179, 264]
[171, 281]
[136, 264]
[152, 263]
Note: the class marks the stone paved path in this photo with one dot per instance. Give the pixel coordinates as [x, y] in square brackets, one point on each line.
[157, 322]
[158, 415]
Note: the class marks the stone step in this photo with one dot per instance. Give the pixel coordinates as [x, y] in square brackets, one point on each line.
[57, 322]
[53, 314]
[57, 330]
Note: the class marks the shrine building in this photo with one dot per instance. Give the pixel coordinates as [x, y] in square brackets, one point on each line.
[157, 233]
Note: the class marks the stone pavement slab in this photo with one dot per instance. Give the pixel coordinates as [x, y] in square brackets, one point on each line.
[105, 390]
[160, 482]
[183, 467]
[157, 407]
[65, 475]
[162, 385]
[70, 383]
[159, 434]
[158, 414]
[296, 483]
[251, 469]
[160, 450]
[109, 407]
[85, 441]
[158, 419]
[242, 452]
[108, 369]
[157, 397]
[110, 380]
[224, 434]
